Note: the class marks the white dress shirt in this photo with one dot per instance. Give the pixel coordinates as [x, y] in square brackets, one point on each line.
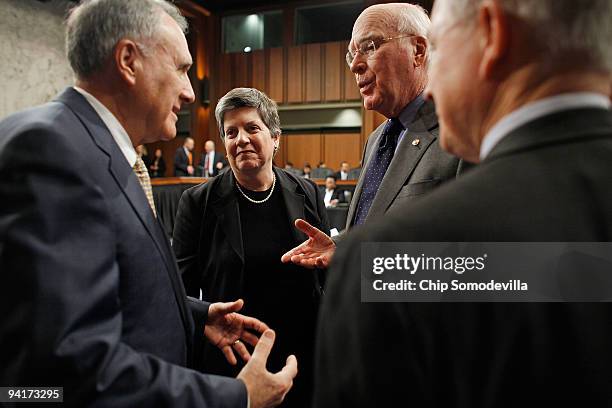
[327, 198]
[537, 109]
[211, 159]
[115, 128]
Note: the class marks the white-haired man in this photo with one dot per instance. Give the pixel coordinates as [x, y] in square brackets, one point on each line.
[91, 296]
[521, 86]
[402, 160]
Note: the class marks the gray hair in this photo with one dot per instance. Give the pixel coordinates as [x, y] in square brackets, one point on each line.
[413, 19]
[94, 28]
[250, 98]
[560, 26]
[404, 18]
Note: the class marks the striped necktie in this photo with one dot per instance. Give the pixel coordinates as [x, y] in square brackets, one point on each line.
[143, 177]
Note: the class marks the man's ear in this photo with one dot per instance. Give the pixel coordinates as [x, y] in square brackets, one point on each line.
[494, 33]
[127, 60]
[420, 51]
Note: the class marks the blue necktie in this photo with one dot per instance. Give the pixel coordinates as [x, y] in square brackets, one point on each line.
[377, 168]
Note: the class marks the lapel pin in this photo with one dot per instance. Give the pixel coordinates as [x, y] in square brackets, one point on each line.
[416, 142]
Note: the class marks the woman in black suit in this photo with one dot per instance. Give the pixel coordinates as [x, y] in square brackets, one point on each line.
[231, 232]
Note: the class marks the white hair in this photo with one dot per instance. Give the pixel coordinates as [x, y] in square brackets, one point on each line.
[94, 28]
[413, 19]
[560, 26]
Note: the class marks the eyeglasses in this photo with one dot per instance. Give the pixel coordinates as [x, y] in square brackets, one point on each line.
[368, 48]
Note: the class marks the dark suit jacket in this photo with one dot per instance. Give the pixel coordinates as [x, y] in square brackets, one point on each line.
[207, 238]
[89, 290]
[547, 181]
[414, 170]
[338, 175]
[181, 161]
[218, 158]
[337, 194]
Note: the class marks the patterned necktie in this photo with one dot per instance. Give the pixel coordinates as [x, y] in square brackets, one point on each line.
[143, 177]
[377, 168]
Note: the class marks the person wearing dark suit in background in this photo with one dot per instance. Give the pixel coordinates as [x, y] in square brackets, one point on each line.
[402, 159]
[520, 87]
[230, 232]
[343, 173]
[183, 159]
[90, 293]
[306, 171]
[212, 161]
[332, 194]
[158, 165]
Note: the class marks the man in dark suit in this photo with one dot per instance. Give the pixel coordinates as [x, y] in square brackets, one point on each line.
[402, 159]
[332, 195]
[533, 110]
[343, 173]
[183, 159]
[90, 293]
[212, 161]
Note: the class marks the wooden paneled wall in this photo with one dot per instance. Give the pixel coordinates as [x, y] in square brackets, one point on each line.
[311, 73]
[332, 148]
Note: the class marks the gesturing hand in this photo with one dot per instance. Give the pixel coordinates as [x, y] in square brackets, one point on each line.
[228, 330]
[315, 252]
[264, 388]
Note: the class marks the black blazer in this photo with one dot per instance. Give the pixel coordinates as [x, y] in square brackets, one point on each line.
[181, 161]
[337, 194]
[549, 180]
[207, 240]
[89, 289]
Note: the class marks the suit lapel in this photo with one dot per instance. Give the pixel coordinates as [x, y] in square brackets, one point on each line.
[225, 207]
[399, 171]
[129, 185]
[295, 204]
[406, 157]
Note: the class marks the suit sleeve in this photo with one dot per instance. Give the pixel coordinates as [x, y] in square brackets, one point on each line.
[59, 290]
[179, 162]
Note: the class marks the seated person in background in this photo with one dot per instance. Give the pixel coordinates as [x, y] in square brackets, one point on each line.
[343, 173]
[332, 194]
[183, 159]
[306, 171]
[158, 165]
[230, 233]
[212, 162]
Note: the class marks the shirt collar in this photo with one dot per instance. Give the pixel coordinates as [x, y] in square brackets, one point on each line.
[407, 115]
[114, 127]
[537, 109]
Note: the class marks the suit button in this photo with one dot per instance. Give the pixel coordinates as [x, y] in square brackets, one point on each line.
[416, 142]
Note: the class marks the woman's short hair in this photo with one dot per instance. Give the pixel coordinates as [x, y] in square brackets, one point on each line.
[249, 98]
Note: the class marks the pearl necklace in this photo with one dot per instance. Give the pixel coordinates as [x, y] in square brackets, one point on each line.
[259, 201]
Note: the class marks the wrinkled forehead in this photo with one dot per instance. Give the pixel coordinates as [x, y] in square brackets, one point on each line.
[371, 25]
[173, 40]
